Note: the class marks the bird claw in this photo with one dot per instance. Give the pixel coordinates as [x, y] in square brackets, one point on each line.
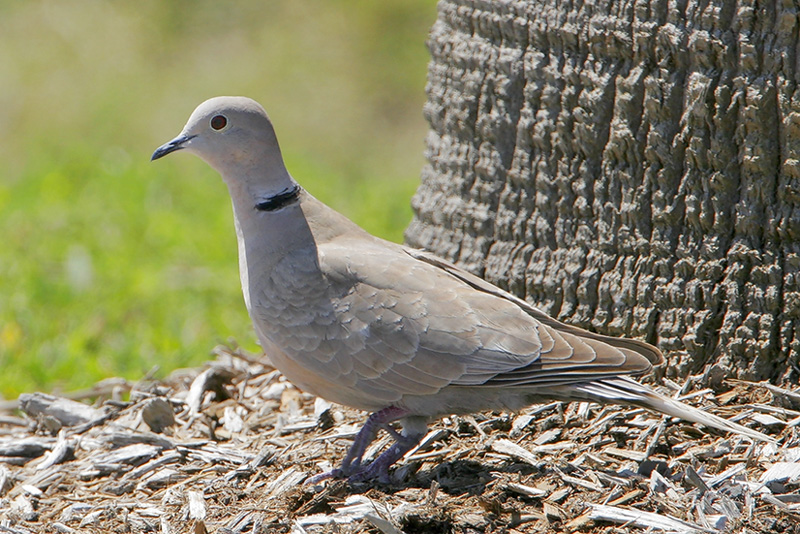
[333, 474]
[370, 473]
[356, 474]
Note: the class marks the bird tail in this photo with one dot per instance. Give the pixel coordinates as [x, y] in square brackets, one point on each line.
[623, 390]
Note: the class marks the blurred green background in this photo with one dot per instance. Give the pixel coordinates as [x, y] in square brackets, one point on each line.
[110, 265]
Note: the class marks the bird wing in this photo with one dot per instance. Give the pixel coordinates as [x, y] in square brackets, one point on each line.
[653, 355]
[400, 322]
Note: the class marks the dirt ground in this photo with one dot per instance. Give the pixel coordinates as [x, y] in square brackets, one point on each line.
[227, 449]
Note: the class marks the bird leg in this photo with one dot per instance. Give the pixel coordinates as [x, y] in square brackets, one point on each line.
[413, 432]
[365, 436]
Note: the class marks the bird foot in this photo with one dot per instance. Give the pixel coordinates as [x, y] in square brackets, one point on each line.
[378, 469]
[352, 469]
[333, 474]
[372, 472]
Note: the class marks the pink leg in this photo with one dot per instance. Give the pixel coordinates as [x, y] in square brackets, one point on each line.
[380, 467]
[367, 434]
[352, 462]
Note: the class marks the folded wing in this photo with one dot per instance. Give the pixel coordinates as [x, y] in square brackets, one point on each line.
[409, 323]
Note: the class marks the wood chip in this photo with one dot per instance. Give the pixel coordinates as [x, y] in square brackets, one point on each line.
[211, 380]
[781, 472]
[637, 518]
[520, 423]
[5, 480]
[29, 447]
[545, 437]
[61, 527]
[591, 486]
[130, 454]
[559, 494]
[526, 490]
[509, 448]
[551, 448]
[693, 478]
[63, 449]
[67, 412]
[153, 465]
[767, 419]
[285, 482]
[157, 413]
[431, 437]
[197, 504]
[553, 510]
[626, 454]
[725, 475]
[630, 496]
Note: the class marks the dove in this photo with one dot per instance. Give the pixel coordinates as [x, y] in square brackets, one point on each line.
[394, 331]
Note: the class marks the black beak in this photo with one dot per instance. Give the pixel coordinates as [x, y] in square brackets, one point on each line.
[176, 144]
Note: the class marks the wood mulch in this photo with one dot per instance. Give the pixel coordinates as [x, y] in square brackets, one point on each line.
[227, 448]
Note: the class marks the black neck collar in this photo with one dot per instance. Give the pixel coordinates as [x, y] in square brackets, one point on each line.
[276, 202]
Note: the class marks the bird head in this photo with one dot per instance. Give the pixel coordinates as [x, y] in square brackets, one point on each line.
[234, 135]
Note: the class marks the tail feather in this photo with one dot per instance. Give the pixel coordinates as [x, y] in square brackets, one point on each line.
[626, 391]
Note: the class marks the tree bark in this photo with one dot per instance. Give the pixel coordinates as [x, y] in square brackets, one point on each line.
[632, 167]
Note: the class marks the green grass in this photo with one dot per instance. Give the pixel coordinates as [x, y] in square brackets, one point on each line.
[110, 265]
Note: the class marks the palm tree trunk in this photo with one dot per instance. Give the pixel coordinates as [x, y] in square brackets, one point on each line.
[629, 166]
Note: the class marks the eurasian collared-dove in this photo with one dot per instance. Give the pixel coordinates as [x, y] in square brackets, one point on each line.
[387, 329]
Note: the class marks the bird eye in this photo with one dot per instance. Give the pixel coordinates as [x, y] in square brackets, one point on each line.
[218, 122]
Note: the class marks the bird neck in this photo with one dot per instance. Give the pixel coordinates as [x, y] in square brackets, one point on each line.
[280, 200]
[267, 214]
[267, 235]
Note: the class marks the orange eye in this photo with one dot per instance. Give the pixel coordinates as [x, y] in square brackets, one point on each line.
[218, 122]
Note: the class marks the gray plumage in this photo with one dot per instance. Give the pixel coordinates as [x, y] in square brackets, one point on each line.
[387, 329]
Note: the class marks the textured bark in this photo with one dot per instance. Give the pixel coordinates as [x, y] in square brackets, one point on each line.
[629, 166]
